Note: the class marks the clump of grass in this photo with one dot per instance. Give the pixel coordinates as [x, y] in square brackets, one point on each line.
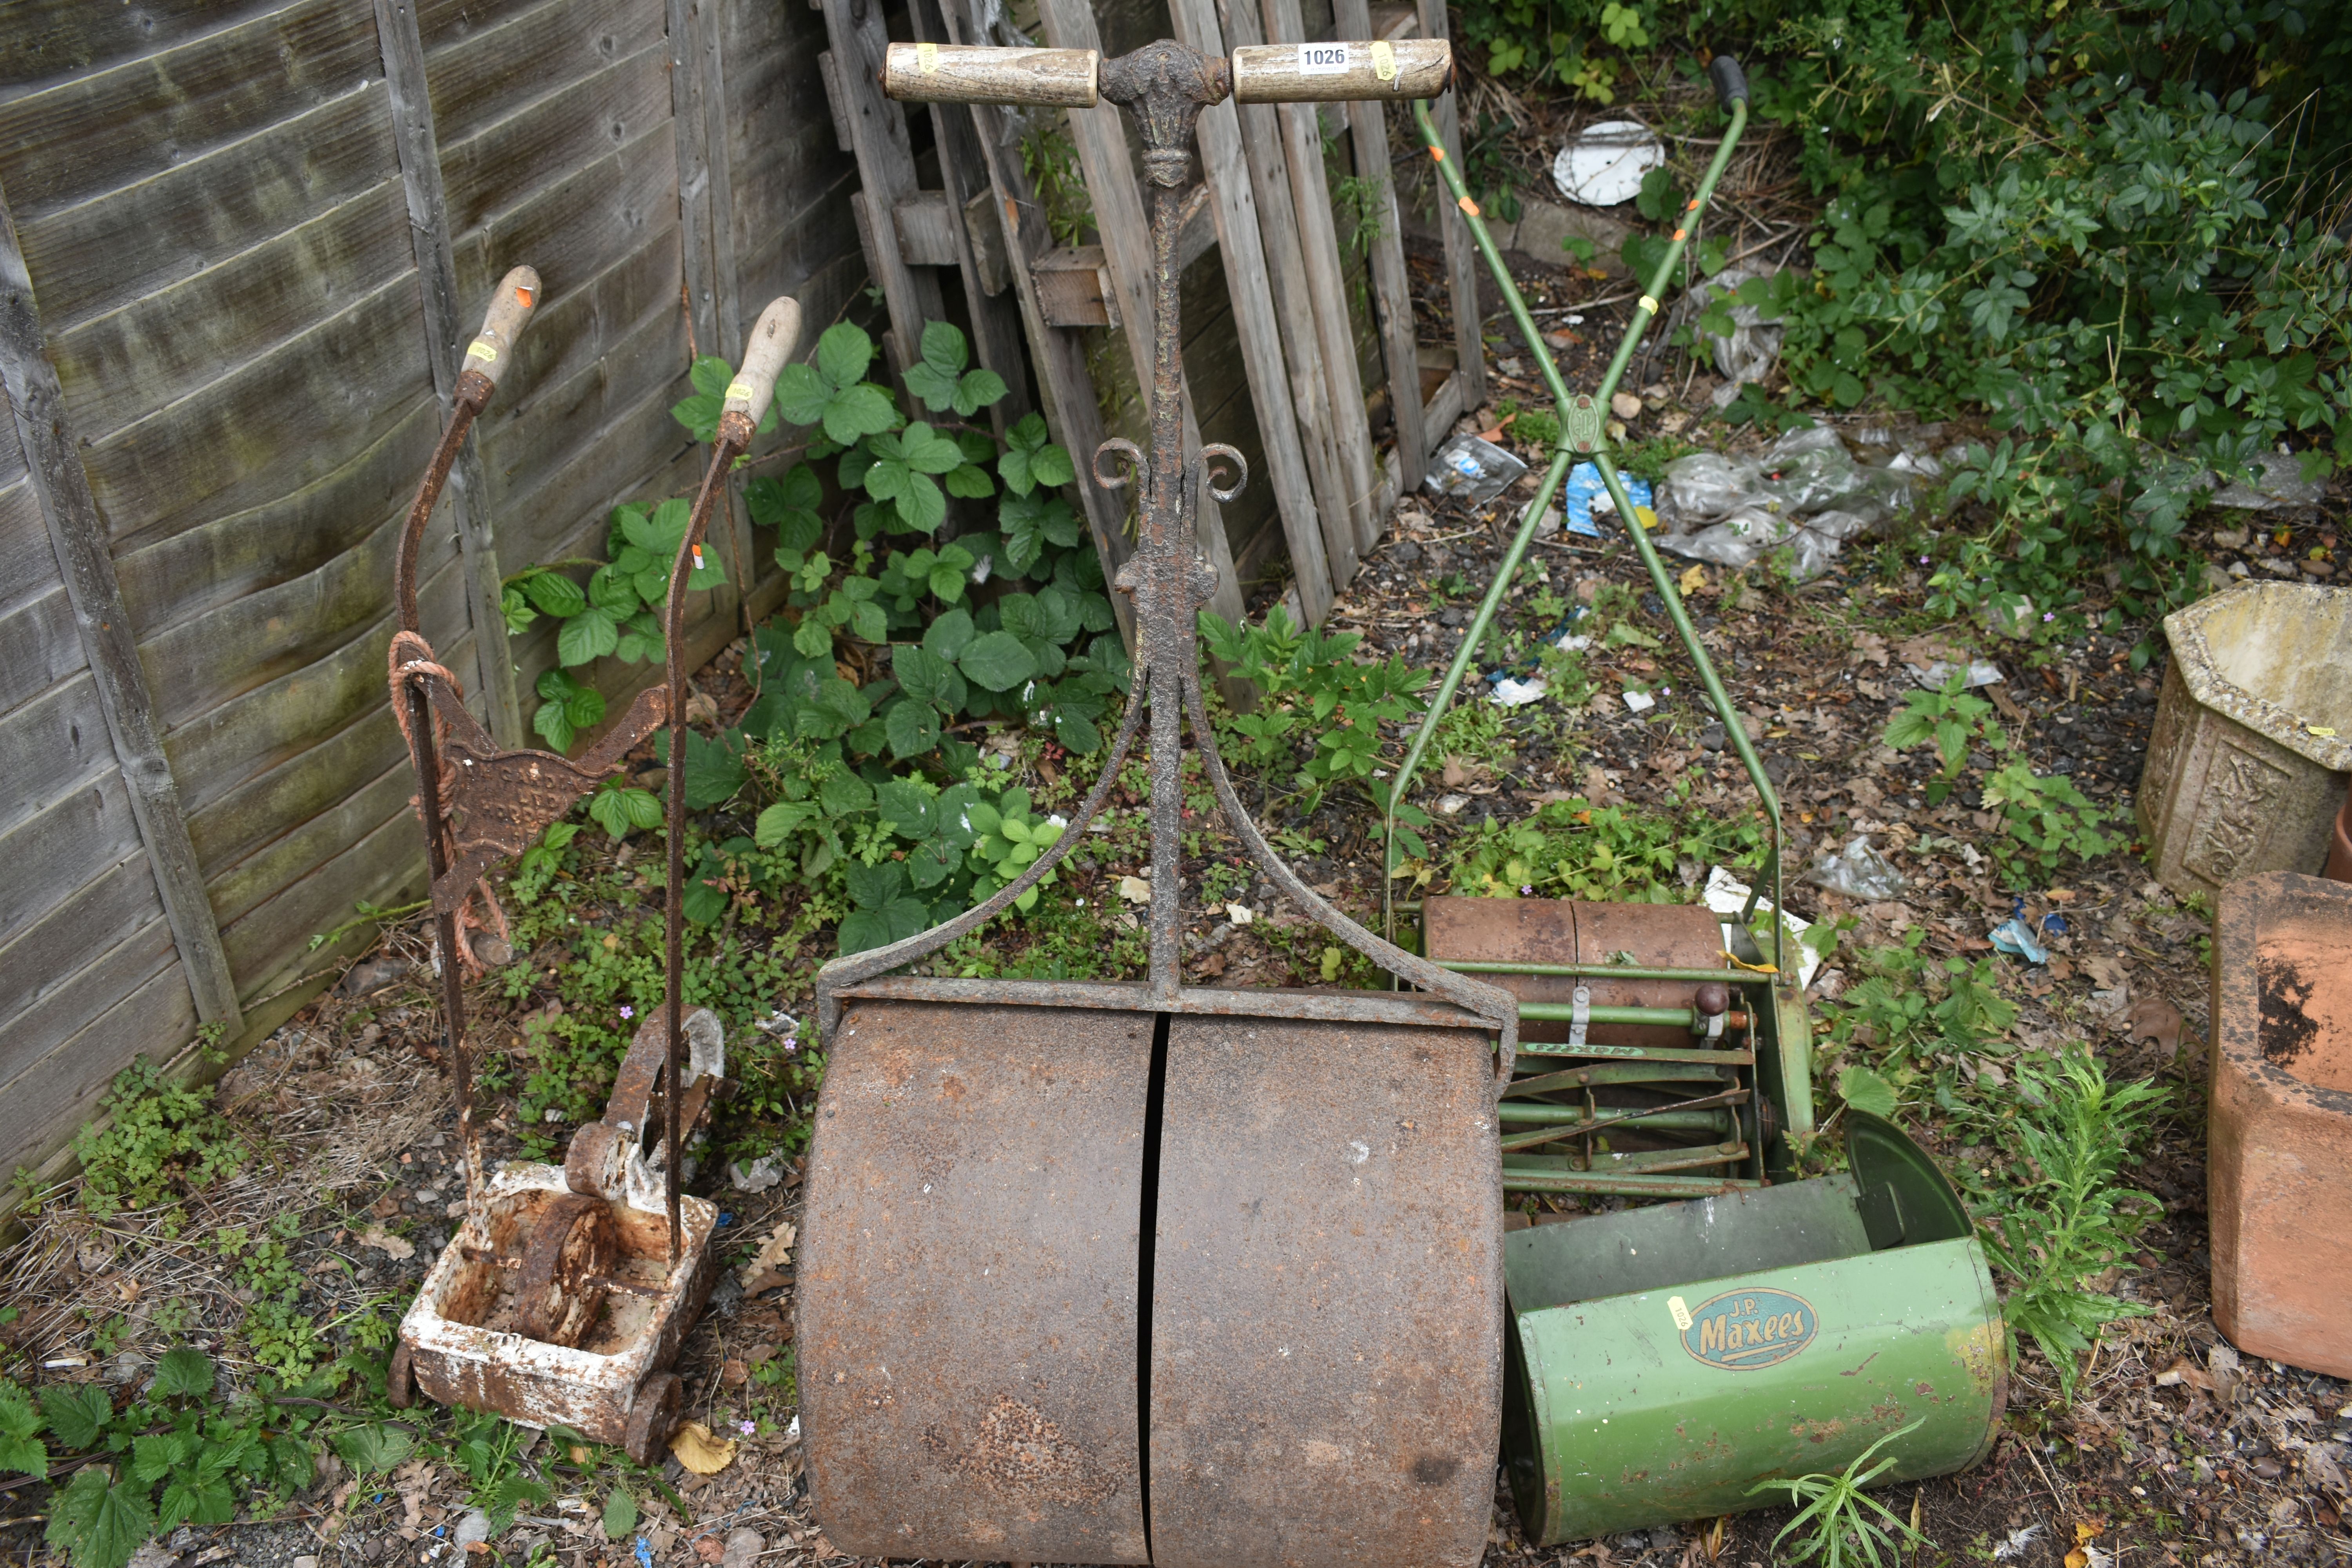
[1834, 1520]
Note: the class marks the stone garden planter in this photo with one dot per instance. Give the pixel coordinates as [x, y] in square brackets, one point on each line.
[2237, 780]
[2279, 1176]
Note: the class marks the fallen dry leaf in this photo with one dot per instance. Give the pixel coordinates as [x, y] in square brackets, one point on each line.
[764, 1270]
[701, 1450]
[709, 1548]
[383, 1240]
[2153, 1018]
[732, 1372]
[1692, 581]
[1871, 646]
[1455, 775]
[1135, 890]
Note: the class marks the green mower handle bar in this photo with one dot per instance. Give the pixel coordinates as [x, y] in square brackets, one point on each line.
[1583, 434]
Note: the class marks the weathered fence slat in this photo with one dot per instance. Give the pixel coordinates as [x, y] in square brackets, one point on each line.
[1109, 172]
[1242, 248]
[1391, 291]
[444, 328]
[79, 540]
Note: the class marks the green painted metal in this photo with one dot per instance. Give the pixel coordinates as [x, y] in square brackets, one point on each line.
[1614, 1073]
[1515, 1114]
[1625, 1187]
[1583, 432]
[1564, 1013]
[1642, 1053]
[1663, 1361]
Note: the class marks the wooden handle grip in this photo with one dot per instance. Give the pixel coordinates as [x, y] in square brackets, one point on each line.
[975, 73]
[1299, 73]
[774, 337]
[493, 348]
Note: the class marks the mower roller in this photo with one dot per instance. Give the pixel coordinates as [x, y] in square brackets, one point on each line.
[563, 1296]
[1149, 1272]
[1665, 1361]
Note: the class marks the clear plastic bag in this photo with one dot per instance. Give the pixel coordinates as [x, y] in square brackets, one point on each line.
[1858, 871]
[1468, 469]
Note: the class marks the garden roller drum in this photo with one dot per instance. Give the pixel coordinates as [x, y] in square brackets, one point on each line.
[1143, 1272]
[1664, 1361]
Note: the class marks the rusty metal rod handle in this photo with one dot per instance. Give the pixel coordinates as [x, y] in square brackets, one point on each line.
[774, 337]
[486, 359]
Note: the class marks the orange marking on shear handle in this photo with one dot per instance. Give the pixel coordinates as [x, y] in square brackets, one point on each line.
[1438, 153]
[1469, 207]
[1680, 234]
[522, 295]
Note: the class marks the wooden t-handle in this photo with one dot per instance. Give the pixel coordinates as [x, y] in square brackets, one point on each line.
[980, 73]
[1298, 73]
[493, 348]
[774, 337]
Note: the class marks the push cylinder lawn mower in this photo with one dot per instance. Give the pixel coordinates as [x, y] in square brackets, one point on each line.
[1667, 1362]
[563, 1296]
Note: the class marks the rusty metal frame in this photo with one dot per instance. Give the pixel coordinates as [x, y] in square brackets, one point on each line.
[1164, 85]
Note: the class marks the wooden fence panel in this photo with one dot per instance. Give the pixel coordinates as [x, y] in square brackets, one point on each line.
[240, 290]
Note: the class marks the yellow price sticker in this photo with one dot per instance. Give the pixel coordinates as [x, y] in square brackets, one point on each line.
[1384, 59]
[927, 58]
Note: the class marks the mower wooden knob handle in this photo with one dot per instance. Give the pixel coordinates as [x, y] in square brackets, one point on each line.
[979, 73]
[1299, 73]
[774, 337]
[1711, 999]
[510, 307]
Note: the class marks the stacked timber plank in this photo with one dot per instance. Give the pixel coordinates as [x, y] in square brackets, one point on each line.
[1264, 202]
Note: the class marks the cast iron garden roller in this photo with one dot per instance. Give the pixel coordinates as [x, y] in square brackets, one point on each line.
[1143, 1271]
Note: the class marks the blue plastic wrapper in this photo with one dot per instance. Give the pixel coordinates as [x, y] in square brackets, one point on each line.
[1583, 483]
[2015, 936]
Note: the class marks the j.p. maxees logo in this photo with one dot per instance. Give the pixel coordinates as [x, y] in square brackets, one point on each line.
[1743, 1329]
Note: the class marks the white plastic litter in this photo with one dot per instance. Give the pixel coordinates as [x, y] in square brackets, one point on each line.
[1933, 677]
[2278, 483]
[1752, 347]
[1512, 692]
[1604, 166]
[1472, 469]
[757, 1176]
[1640, 701]
[1858, 871]
[1727, 897]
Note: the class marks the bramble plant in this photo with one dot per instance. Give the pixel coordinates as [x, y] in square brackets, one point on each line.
[1574, 850]
[1954, 718]
[173, 1455]
[1310, 685]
